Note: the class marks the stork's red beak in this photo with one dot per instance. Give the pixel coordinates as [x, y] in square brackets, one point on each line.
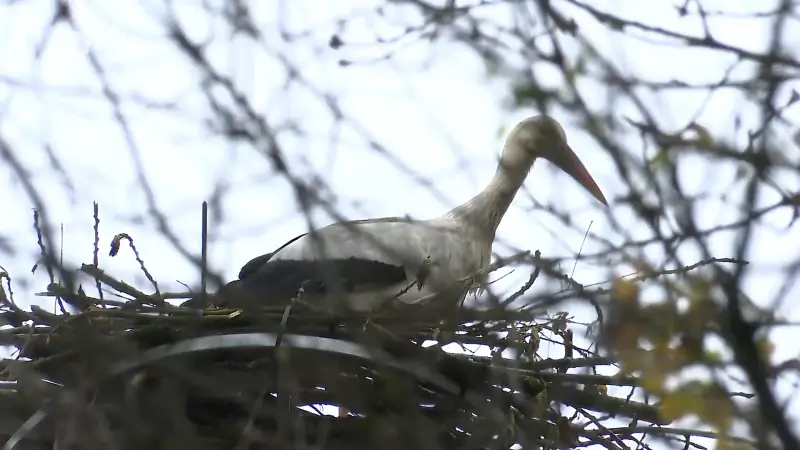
[569, 162]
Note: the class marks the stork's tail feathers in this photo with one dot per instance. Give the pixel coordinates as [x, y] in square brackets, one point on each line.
[229, 296]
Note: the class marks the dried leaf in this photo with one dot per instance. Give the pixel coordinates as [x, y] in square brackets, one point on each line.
[625, 291]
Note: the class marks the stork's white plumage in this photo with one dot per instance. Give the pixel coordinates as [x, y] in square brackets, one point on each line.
[364, 264]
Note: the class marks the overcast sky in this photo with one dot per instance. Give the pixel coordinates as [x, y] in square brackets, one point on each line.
[434, 108]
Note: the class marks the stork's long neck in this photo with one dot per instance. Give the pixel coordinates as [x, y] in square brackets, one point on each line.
[485, 211]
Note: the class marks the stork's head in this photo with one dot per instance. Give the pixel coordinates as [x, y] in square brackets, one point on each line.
[543, 137]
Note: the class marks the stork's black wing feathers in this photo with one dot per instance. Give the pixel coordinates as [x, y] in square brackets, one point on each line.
[254, 264]
[266, 280]
[282, 279]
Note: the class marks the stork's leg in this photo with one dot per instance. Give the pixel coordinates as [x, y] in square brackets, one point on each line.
[284, 320]
[424, 272]
[333, 327]
[333, 321]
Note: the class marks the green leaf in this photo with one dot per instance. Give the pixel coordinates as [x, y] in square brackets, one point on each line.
[524, 93]
[703, 138]
[661, 161]
[501, 131]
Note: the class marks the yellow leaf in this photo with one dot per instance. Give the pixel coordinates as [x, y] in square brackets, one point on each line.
[653, 381]
[642, 268]
[533, 346]
[702, 309]
[675, 405]
[719, 408]
[627, 366]
[708, 401]
[666, 316]
[719, 413]
[765, 348]
[541, 404]
[625, 337]
[625, 291]
[699, 291]
[724, 442]
[541, 397]
[713, 357]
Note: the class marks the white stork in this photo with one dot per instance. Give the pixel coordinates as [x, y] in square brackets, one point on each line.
[363, 264]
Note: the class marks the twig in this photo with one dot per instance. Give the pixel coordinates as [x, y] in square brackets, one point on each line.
[45, 256]
[115, 245]
[96, 249]
[43, 249]
[580, 250]
[8, 300]
[121, 286]
[204, 256]
[537, 255]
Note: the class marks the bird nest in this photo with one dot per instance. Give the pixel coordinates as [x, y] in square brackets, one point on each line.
[146, 374]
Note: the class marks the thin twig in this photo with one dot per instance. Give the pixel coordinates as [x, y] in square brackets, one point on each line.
[204, 256]
[96, 248]
[115, 245]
